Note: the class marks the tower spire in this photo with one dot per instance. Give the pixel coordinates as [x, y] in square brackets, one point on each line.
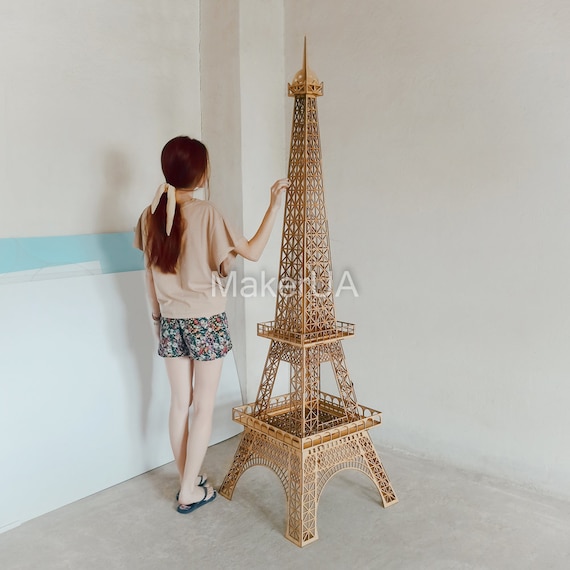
[305, 66]
[305, 81]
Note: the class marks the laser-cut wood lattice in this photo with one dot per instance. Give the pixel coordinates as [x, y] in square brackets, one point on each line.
[307, 435]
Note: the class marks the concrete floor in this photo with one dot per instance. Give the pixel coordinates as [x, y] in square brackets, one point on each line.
[446, 519]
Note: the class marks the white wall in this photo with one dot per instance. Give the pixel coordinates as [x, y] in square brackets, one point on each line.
[83, 403]
[84, 396]
[243, 93]
[445, 139]
[90, 93]
[221, 132]
[265, 153]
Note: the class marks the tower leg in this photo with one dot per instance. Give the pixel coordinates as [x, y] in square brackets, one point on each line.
[239, 464]
[272, 362]
[302, 500]
[377, 473]
[344, 383]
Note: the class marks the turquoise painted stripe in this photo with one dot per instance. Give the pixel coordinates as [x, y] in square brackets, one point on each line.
[114, 251]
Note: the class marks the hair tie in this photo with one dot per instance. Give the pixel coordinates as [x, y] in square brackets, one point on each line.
[170, 203]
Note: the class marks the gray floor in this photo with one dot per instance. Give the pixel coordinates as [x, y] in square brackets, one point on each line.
[446, 519]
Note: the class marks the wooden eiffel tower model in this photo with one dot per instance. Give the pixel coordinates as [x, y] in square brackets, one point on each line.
[307, 435]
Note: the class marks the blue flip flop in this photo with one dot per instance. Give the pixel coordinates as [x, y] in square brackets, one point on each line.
[185, 509]
[203, 481]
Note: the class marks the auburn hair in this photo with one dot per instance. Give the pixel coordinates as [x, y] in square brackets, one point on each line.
[184, 164]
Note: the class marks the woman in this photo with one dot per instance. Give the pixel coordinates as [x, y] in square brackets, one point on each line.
[187, 244]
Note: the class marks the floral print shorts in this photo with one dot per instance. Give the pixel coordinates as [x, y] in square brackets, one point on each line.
[202, 338]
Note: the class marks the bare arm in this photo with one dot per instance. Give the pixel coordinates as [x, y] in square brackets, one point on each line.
[155, 307]
[253, 248]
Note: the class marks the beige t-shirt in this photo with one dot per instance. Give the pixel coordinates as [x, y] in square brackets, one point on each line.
[195, 289]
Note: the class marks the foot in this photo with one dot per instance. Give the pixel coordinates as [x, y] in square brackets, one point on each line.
[209, 496]
[201, 480]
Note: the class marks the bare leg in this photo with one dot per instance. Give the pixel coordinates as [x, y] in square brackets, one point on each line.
[180, 371]
[206, 380]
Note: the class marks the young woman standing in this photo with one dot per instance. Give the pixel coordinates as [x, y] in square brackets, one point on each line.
[187, 243]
